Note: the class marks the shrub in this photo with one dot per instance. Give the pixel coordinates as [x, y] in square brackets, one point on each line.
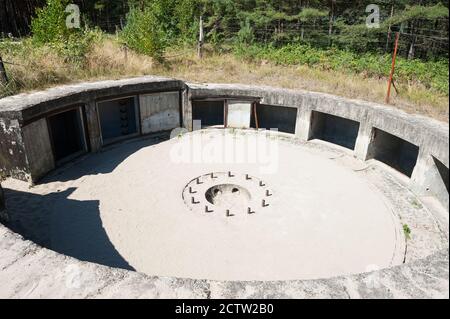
[49, 26]
[245, 35]
[431, 74]
[144, 34]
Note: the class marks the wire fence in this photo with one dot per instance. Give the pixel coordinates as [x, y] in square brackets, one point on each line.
[426, 40]
[324, 34]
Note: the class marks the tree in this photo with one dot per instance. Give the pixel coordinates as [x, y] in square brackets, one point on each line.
[311, 16]
[15, 16]
[418, 17]
[144, 33]
[50, 23]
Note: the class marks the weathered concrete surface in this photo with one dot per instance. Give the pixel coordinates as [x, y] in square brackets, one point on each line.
[38, 148]
[18, 111]
[13, 158]
[239, 114]
[29, 271]
[431, 136]
[416, 129]
[25, 106]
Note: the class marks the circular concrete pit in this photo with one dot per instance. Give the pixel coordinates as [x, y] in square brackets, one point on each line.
[239, 208]
[309, 216]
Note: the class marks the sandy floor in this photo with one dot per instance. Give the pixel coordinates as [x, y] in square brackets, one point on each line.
[124, 208]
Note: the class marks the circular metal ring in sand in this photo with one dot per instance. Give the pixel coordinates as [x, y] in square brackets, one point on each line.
[227, 194]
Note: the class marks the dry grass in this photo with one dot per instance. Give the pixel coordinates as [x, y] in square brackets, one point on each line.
[109, 59]
[225, 68]
[41, 68]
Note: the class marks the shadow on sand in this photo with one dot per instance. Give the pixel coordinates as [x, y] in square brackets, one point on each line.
[70, 227]
[67, 226]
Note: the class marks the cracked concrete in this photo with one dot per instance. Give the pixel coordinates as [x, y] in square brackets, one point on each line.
[47, 274]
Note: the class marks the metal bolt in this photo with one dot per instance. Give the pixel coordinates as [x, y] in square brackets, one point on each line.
[207, 210]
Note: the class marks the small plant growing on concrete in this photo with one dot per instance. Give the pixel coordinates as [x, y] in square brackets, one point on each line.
[416, 204]
[407, 231]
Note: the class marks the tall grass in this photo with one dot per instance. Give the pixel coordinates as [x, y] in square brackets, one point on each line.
[37, 67]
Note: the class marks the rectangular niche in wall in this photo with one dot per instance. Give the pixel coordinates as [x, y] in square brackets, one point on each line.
[275, 117]
[160, 111]
[393, 151]
[211, 113]
[334, 129]
[118, 119]
[67, 134]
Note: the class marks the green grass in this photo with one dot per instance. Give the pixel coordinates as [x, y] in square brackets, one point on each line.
[37, 67]
[407, 231]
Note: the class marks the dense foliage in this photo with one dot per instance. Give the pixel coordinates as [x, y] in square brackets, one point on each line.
[423, 23]
[144, 33]
[431, 74]
[328, 34]
[49, 28]
[341, 23]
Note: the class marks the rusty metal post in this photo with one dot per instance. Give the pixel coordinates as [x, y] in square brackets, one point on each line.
[391, 76]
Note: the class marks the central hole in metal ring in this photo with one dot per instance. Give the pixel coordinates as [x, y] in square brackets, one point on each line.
[228, 196]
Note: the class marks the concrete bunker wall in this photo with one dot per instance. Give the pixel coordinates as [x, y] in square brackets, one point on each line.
[238, 114]
[27, 149]
[23, 120]
[437, 181]
[13, 158]
[419, 146]
[160, 111]
[43, 130]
